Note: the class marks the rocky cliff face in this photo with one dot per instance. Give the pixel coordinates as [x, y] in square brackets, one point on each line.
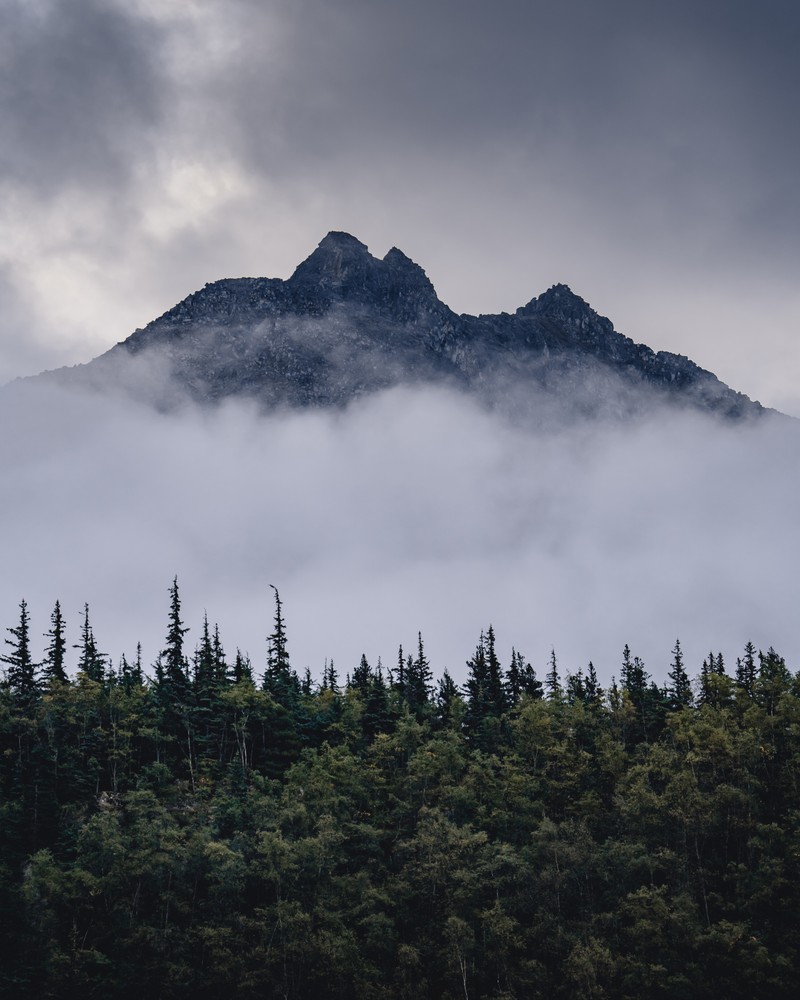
[347, 323]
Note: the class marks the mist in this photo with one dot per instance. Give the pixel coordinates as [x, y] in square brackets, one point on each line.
[414, 509]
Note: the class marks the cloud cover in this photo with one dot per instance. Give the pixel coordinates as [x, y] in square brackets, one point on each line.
[642, 154]
[413, 509]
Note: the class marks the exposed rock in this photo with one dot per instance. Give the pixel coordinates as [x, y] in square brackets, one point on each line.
[347, 323]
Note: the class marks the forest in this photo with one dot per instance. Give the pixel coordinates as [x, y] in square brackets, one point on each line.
[198, 827]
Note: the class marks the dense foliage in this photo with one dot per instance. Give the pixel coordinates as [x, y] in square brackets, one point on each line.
[200, 831]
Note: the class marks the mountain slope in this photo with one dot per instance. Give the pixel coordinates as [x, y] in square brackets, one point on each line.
[347, 323]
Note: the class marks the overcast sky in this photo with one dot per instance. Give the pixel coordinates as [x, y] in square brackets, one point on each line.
[645, 154]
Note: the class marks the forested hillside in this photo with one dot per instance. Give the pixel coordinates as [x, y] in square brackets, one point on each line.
[196, 829]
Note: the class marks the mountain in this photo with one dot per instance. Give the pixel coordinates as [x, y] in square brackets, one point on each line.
[347, 323]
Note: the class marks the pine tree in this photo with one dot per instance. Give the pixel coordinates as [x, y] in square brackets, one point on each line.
[53, 666]
[399, 682]
[330, 678]
[377, 715]
[774, 680]
[594, 693]
[514, 678]
[173, 662]
[495, 689]
[679, 692]
[21, 672]
[204, 664]
[131, 674]
[576, 688]
[242, 668]
[553, 682]
[475, 688]
[746, 671]
[278, 654]
[419, 680]
[91, 662]
[361, 676]
[484, 696]
[279, 679]
[449, 707]
[633, 676]
[221, 675]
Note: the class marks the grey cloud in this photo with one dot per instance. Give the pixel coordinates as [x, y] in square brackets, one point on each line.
[640, 152]
[82, 89]
[414, 509]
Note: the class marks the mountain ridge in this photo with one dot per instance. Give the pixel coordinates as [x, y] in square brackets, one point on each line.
[346, 323]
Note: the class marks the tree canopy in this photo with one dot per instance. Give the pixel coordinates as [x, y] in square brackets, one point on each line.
[208, 826]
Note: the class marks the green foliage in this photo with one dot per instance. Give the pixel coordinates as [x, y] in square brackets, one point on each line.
[203, 834]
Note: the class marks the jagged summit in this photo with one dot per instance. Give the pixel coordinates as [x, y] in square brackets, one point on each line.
[339, 257]
[557, 297]
[348, 323]
[343, 269]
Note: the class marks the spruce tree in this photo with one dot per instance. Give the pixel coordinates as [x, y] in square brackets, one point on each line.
[174, 662]
[553, 682]
[279, 679]
[399, 682]
[377, 715]
[21, 673]
[746, 671]
[476, 690]
[204, 665]
[514, 678]
[495, 689]
[54, 664]
[361, 676]
[594, 693]
[91, 662]
[576, 688]
[448, 701]
[419, 680]
[242, 668]
[679, 691]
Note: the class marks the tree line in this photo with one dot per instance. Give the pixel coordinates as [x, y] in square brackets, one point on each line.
[194, 828]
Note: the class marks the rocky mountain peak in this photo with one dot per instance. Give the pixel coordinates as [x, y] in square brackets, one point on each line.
[338, 258]
[347, 323]
[557, 299]
[342, 269]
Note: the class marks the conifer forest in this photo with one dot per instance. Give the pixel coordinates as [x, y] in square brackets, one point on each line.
[204, 826]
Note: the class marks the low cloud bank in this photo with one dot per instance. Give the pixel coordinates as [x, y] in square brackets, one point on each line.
[414, 509]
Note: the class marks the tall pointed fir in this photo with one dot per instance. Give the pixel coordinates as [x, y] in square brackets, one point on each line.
[679, 691]
[746, 671]
[449, 705]
[279, 679]
[398, 682]
[361, 677]
[377, 715]
[495, 689]
[204, 665]
[172, 678]
[478, 707]
[205, 688]
[242, 668]
[91, 662]
[552, 680]
[419, 680]
[54, 663]
[21, 673]
[521, 680]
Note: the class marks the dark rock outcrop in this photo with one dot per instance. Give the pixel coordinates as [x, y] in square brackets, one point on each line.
[347, 323]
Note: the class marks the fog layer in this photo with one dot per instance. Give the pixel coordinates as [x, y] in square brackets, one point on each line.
[413, 509]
